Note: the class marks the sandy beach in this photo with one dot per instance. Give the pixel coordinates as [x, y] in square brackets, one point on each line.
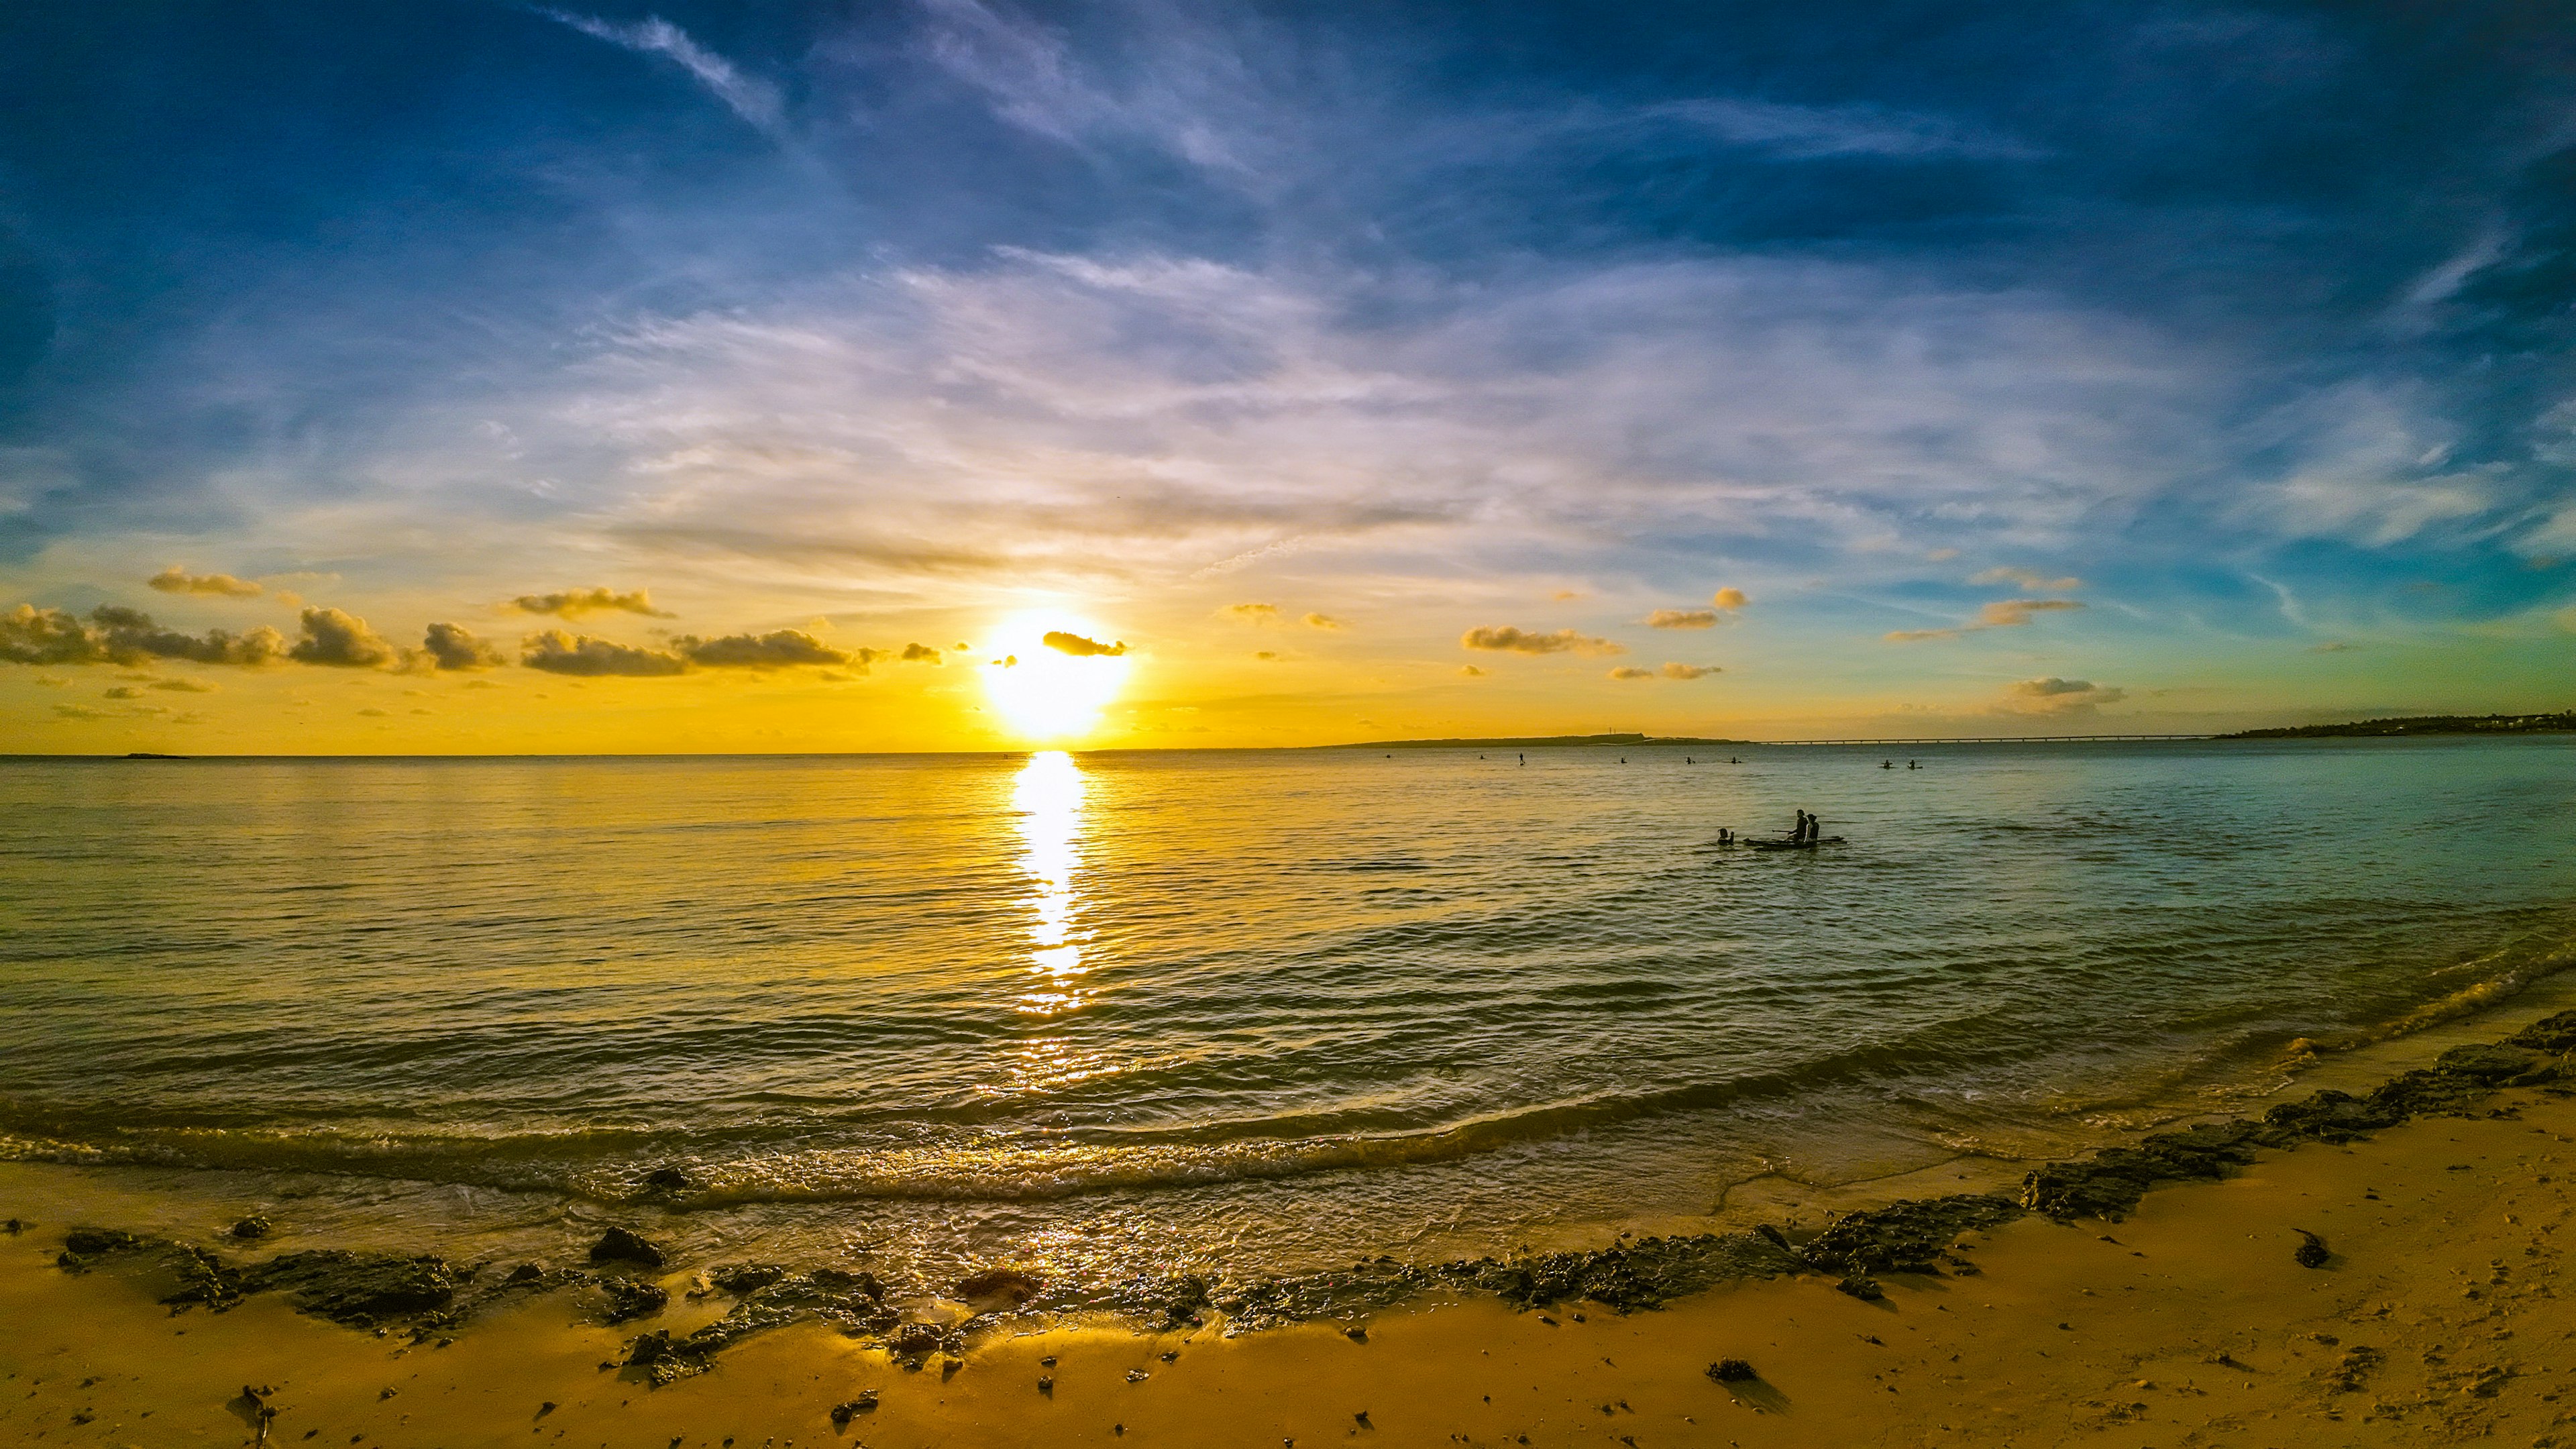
[2434, 1317]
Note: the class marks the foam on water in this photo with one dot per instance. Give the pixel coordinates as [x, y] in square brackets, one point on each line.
[1126, 1011]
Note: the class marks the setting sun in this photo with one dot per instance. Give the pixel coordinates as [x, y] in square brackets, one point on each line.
[1051, 676]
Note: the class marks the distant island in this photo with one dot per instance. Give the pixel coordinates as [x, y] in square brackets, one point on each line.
[1532, 742]
[2424, 724]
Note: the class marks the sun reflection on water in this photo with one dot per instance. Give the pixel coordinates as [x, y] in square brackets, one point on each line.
[1048, 797]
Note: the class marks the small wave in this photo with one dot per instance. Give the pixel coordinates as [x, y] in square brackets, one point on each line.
[2501, 975]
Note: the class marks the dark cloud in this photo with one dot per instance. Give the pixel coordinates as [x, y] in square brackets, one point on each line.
[573, 603]
[1506, 639]
[778, 649]
[1079, 647]
[340, 641]
[450, 646]
[557, 652]
[176, 580]
[115, 635]
[920, 654]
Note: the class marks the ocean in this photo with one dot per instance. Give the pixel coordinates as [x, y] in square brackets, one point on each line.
[1226, 1012]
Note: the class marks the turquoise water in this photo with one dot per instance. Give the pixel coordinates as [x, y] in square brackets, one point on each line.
[1248, 1010]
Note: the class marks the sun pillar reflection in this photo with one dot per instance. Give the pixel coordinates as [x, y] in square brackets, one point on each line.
[1048, 797]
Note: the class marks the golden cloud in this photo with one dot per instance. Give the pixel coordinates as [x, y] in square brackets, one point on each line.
[2036, 583]
[557, 652]
[1079, 647]
[778, 649]
[451, 646]
[1505, 639]
[1625, 672]
[114, 635]
[1323, 621]
[1728, 599]
[920, 654]
[573, 603]
[1682, 619]
[2011, 613]
[2052, 695]
[1689, 671]
[340, 641]
[176, 580]
[1250, 613]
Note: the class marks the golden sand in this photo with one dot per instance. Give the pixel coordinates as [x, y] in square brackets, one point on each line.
[2437, 1320]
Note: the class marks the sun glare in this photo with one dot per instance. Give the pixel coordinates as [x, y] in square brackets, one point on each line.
[1044, 692]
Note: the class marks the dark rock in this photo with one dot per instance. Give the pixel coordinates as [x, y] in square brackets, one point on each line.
[92, 1242]
[617, 1245]
[668, 1179]
[356, 1288]
[628, 1299]
[2110, 1183]
[1861, 1288]
[1731, 1371]
[2555, 1035]
[526, 1273]
[13, 1227]
[1013, 1284]
[1046, 1385]
[917, 1338]
[2311, 1252]
[1356, 1335]
[1905, 1237]
[741, 1278]
[843, 1413]
[253, 1226]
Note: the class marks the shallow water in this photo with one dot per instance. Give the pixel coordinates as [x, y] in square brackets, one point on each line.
[1246, 1011]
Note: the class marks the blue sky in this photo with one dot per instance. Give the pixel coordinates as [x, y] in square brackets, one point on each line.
[2213, 358]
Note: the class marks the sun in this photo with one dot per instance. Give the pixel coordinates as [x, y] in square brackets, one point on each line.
[1046, 693]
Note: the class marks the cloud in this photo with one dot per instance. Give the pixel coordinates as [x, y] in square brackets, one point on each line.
[1682, 619]
[2052, 695]
[1471, 671]
[573, 603]
[176, 580]
[115, 635]
[124, 691]
[372, 712]
[2012, 613]
[1250, 613]
[778, 649]
[1729, 599]
[2028, 579]
[1629, 672]
[1323, 621]
[1919, 636]
[920, 654]
[1504, 638]
[450, 646]
[1079, 647]
[183, 686]
[755, 101]
[2332, 646]
[81, 711]
[1690, 671]
[1265, 654]
[340, 641]
[557, 652]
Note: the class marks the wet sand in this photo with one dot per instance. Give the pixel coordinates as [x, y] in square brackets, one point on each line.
[2436, 1319]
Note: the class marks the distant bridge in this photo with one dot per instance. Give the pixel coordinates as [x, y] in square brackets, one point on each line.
[1992, 740]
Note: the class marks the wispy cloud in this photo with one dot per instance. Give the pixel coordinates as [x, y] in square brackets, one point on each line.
[754, 100]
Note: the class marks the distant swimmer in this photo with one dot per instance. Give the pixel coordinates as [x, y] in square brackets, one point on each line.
[1887, 764]
[1687, 760]
[1524, 759]
[1725, 836]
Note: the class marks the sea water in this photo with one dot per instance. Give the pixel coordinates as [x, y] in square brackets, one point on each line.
[1232, 1012]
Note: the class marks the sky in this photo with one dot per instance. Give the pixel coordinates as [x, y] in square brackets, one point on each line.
[960, 374]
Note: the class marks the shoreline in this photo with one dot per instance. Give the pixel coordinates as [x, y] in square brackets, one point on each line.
[2193, 1316]
[689, 1348]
